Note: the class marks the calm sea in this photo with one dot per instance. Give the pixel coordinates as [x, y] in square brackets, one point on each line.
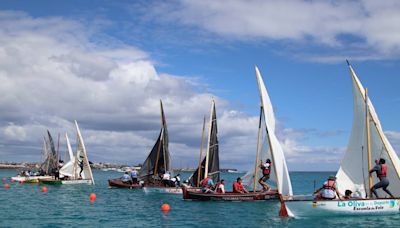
[24, 205]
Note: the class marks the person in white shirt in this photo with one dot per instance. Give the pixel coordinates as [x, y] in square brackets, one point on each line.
[166, 179]
[221, 187]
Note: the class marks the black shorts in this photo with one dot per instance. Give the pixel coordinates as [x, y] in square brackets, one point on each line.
[264, 178]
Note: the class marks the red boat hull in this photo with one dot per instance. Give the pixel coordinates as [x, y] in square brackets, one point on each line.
[197, 194]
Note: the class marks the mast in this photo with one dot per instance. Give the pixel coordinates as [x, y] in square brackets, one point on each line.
[58, 152]
[257, 150]
[201, 152]
[368, 140]
[161, 141]
[209, 138]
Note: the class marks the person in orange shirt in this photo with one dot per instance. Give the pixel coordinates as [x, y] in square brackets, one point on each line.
[238, 186]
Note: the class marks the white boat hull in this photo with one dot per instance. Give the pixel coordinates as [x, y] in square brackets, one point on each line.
[342, 207]
[21, 178]
[77, 182]
[172, 190]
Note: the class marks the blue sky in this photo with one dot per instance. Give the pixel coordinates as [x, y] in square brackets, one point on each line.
[185, 52]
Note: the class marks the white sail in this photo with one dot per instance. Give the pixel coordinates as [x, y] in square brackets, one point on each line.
[270, 146]
[81, 156]
[353, 172]
[68, 168]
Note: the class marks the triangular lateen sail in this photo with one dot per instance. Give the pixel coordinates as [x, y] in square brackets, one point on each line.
[81, 157]
[159, 160]
[269, 146]
[211, 160]
[353, 172]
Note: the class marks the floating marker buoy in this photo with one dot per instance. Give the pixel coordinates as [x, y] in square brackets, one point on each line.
[44, 189]
[4, 179]
[92, 197]
[6, 186]
[12, 180]
[165, 207]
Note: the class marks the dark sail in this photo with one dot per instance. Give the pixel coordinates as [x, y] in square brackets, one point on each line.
[213, 153]
[51, 162]
[153, 166]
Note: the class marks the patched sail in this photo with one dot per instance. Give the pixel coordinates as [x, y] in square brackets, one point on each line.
[159, 160]
[353, 173]
[211, 160]
[269, 147]
[51, 161]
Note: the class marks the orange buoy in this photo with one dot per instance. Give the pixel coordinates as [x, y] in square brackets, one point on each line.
[4, 179]
[165, 207]
[44, 189]
[92, 197]
[6, 185]
[12, 180]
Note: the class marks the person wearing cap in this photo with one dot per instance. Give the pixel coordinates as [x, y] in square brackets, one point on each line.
[238, 186]
[328, 190]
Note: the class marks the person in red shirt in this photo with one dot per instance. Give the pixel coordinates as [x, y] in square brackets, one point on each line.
[238, 186]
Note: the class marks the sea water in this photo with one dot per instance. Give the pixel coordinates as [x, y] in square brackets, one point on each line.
[24, 205]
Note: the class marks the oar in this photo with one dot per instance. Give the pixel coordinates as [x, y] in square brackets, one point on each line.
[283, 211]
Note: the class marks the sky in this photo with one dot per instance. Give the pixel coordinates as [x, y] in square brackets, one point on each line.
[107, 64]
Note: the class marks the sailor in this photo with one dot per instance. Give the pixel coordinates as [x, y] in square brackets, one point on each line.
[220, 188]
[207, 185]
[328, 190]
[80, 166]
[347, 194]
[238, 186]
[266, 171]
[126, 178]
[134, 176]
[381, 172]
[178, 180]
[166, 179]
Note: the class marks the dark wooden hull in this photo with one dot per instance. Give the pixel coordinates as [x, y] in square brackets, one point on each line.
[197, 194]
[117, 183]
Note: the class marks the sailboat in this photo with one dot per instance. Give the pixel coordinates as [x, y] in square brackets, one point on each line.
[209, 166]
[46, 170]
[268, 146]
[367, 143]
[72, 171]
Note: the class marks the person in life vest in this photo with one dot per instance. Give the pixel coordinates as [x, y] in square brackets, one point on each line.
[220, 188]
[266, 171]
[381, 172]
[207, 185]
[328, 190]
[238, 186]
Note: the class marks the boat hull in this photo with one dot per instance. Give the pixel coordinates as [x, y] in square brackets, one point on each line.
[169, 190]
[117, 183]
[67, 182]
[197, 194]
[310, 208]
[30, 178]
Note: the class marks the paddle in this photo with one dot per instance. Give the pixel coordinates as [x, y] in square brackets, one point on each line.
[283, 210]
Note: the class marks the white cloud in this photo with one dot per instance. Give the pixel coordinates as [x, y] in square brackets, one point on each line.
[51, 74]
[361, 29]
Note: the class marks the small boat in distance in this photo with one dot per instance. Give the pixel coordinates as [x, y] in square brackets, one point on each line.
[367, 142]
[46, 168]
[77, 170]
